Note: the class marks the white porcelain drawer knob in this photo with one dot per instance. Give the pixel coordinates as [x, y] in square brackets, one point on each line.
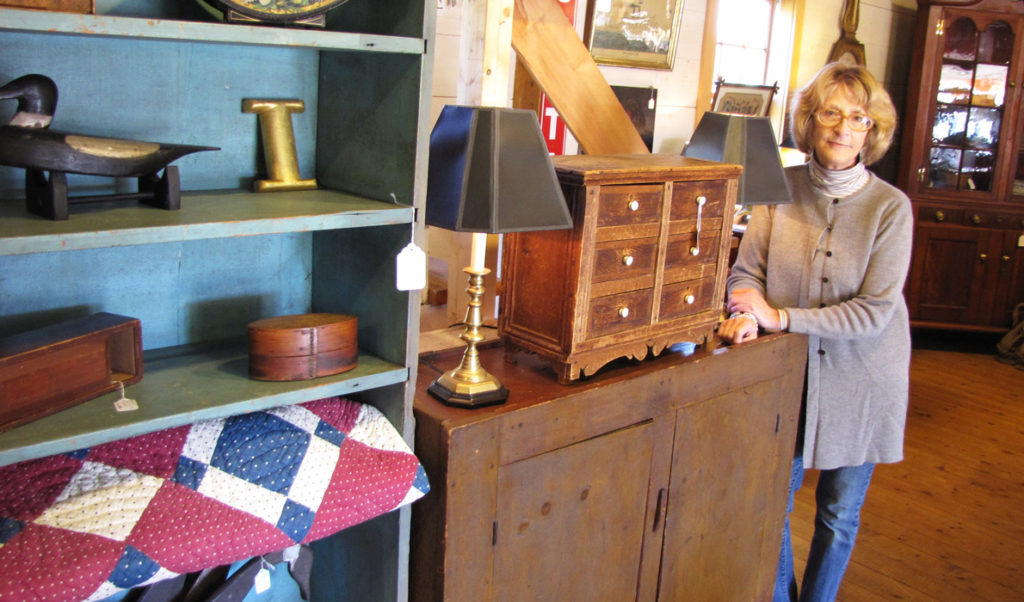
[633, 205]
[689, 299]
[627, 260]
[623, 312]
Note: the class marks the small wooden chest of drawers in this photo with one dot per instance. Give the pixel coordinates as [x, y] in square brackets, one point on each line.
[642, 268]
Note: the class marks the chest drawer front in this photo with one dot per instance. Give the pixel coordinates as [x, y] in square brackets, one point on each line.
[685, 195]
[629, 204]
[685, 298]
[619, 313]
[680, 254]
[618, 260]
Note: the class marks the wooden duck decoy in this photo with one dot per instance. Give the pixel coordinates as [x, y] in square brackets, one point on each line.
[27, 142]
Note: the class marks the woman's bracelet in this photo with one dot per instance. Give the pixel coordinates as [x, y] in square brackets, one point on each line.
[745, 314]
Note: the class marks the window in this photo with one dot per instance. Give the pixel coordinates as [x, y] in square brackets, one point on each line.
[743, 40]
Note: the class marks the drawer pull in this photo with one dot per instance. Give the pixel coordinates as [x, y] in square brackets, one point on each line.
[623, 312]
[940, 216]
[975, 219]
[689, 299]
[701, 200]
[1006, 259]
[983, 257]
[633, 205]
[627, 260]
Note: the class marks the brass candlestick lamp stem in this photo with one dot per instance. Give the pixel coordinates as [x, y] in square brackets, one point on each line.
[469, 385]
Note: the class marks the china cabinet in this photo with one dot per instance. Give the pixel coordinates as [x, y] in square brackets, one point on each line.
[963, 164]
[195, 277]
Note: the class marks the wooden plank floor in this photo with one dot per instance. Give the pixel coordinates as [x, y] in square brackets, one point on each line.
[947, 523]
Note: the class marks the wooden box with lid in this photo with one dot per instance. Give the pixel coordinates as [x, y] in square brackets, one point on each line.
[642, 268]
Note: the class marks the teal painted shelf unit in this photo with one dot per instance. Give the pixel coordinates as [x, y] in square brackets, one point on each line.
[159, 70]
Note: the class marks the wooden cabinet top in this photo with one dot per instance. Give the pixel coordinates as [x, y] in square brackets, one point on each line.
[599, 169]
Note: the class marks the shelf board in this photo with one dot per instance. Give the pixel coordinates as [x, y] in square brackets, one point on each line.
[182, 389]
[200, 31]
[202, 215]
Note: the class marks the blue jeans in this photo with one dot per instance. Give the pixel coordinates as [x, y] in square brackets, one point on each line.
[840, 495]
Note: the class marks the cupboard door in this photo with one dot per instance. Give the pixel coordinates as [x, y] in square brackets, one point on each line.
[949, 267]
[570, 522]
[1010, 278]
[730, 473]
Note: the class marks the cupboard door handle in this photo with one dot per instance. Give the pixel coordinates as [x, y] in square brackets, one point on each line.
[627, 260]
[921, 173]
[983, 257]
[975, 219]
[623, 312]
[657, 510]
[633, 205]
[940, 216]
[1006, 259]
[701, 200]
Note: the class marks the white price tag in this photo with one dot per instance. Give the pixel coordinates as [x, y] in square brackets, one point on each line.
[126, 405]
[411, 268]
[262, 581]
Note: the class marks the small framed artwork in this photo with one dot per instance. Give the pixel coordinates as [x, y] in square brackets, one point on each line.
[640, 105]
[743, 99]
[633, 33]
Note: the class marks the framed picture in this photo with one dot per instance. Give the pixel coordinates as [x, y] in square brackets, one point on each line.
[640, 104]
[633, 33]
[742, 99]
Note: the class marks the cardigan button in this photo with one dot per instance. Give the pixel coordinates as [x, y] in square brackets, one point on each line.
[821, 352]
[828, 253]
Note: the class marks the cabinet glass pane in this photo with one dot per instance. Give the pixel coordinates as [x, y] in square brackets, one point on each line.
[970, 95]
[950, 127]
[955, 84]
[996, 44]
[1018, 177]
[961, 40]
[989, 89]
[983, 128]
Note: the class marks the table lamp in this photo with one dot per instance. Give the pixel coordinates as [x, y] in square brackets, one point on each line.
[489, 173]
[747, 141]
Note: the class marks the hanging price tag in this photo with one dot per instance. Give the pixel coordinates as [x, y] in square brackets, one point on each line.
[411, 268]
[262, 581]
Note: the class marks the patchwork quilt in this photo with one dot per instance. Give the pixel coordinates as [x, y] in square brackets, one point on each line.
[92, 523]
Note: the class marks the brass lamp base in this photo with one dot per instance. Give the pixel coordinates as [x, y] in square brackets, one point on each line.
[469, 385]
[454, 391]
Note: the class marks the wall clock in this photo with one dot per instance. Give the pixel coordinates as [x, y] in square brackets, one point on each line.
[283, 12]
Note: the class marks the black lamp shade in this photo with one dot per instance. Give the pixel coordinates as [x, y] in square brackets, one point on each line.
[747, 141]
[490, 172]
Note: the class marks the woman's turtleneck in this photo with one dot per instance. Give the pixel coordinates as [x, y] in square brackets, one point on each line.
[838, 183]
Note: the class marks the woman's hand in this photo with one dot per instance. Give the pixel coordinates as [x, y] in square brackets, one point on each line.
[750, 300]
[737, 330]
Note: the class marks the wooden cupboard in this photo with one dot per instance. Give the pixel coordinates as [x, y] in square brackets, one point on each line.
[659, 480]
[162, 70]
[963, 164]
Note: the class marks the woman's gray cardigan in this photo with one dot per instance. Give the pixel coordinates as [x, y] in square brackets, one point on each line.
[838, 266]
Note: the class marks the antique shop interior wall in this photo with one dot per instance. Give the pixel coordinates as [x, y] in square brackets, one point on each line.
[885, 29]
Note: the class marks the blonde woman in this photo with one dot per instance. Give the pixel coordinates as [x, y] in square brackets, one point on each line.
[832, 265]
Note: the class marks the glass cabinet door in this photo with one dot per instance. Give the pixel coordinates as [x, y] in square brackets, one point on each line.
[970, 102]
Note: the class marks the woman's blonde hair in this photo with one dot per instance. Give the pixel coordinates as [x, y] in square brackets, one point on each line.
[863, 88]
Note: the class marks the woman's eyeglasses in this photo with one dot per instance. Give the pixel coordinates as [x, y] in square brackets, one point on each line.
[830, 118]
